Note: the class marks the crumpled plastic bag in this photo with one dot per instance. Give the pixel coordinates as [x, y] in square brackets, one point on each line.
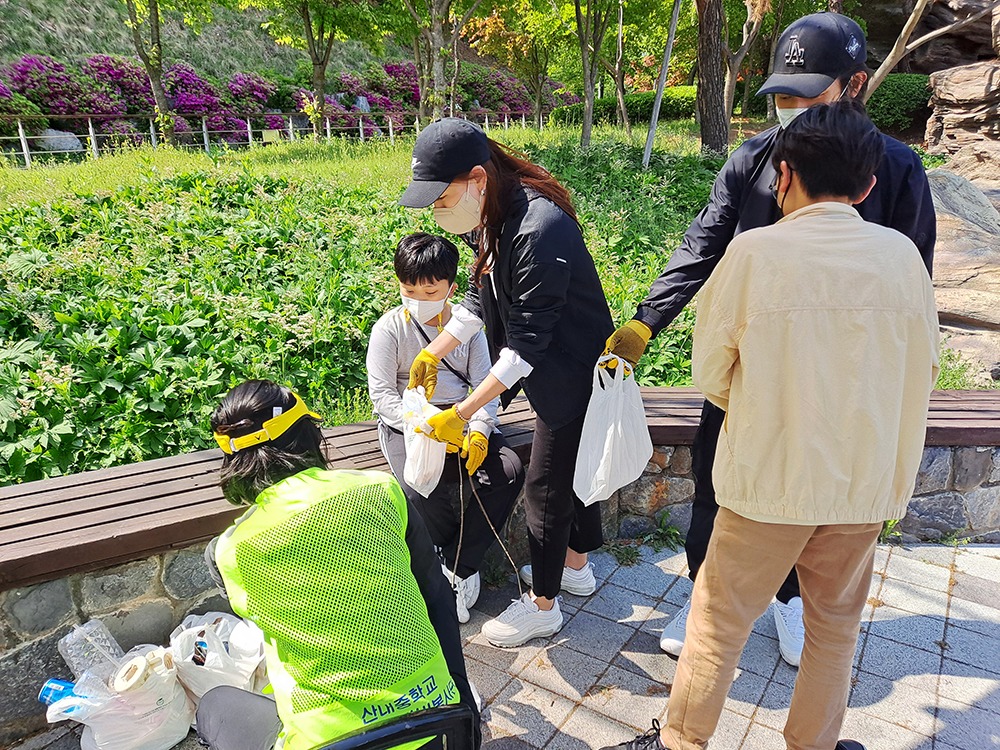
[615, 445]
[425, 457]
[151, 711]
[216, 649]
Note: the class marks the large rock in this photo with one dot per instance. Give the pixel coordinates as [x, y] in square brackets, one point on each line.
[967, 270]
[980, 164]
[967, 45]
[57, 140]
[966, 106]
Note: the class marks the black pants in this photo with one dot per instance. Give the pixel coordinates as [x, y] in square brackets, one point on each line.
[233, 719]
[498, 481]
[704, 508]
[557, 520]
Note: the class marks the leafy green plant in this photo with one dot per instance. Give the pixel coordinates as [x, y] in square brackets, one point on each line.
[678, 103]
[901, 102]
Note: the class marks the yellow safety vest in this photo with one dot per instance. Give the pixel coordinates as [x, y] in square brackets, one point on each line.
[320, 564]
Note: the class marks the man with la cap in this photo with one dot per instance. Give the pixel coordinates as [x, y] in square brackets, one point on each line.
[819, 59]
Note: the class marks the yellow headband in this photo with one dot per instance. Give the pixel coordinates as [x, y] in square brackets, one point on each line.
[271, 429]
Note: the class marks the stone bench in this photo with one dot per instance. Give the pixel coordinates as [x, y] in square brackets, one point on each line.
[125, 544]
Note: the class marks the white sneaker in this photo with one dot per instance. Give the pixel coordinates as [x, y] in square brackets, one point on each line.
[456, 584]
[521, 622]
[578, 582]
[469, 588]
[791, 629]
[672, 640]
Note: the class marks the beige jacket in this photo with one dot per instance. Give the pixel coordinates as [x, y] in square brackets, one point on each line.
[819, 337]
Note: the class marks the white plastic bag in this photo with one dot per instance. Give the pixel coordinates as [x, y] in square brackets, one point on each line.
[147, 709]
[615, 446]
[424, 456]
[230, 651]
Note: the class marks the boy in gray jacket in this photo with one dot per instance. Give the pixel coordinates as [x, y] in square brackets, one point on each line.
[426, 266]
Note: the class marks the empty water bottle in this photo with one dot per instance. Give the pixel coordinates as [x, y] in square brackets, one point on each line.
[91, 648]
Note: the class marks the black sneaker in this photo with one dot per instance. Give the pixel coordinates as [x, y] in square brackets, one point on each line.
[849, 745]
[648, 741]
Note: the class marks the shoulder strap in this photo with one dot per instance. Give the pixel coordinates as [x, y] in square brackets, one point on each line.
[456, 373]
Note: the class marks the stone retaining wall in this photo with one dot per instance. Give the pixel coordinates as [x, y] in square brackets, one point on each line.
[140, 602]
[957, 495]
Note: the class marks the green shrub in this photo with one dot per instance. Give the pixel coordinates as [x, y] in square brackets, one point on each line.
[678, 103]
[901, 102]
[15, 106]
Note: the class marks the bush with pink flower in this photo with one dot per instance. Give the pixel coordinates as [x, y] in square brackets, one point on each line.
[126, 77]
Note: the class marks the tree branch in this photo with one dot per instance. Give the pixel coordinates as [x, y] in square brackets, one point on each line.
[154, 32]
[310, 37]
[953, 27]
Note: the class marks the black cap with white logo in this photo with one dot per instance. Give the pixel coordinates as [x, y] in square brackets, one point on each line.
[813, 52]
[444, 150]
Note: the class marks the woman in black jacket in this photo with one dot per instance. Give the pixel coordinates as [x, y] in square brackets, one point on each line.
[535, 287]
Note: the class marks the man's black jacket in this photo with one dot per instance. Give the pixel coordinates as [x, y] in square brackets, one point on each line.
[741, 200]
[543, 299]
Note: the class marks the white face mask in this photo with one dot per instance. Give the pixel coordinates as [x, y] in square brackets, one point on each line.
[423, 310]
[463, 217]
[785, 116]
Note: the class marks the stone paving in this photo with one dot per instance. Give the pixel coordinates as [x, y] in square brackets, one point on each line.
[927, 667]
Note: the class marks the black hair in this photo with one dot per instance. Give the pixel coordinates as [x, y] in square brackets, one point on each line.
[833, 148]
[425, 257]
[248, 472]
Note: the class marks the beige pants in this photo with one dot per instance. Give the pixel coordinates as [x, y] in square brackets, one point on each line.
[746, 563]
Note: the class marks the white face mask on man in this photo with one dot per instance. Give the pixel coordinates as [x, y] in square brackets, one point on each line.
[464, 216]
[785, 116]
[423, 310]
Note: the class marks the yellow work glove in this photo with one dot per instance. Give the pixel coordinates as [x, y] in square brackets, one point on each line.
[629, 341]
[448, 427]
[424, 371]
[474, 449]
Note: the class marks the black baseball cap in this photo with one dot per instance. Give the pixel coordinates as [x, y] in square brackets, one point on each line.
[813, 52]
[444, 150]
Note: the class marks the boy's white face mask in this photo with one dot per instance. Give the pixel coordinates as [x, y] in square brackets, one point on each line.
[464, 216]
[423, 310]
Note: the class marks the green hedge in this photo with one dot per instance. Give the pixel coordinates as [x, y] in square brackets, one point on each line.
[901, 102]
[18, 105]
[678, 103]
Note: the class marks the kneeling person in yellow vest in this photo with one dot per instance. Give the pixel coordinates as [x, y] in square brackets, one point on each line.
[341, 576]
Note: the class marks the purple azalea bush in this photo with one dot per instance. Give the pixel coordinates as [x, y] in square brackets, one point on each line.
[126, 77]
[5, 93]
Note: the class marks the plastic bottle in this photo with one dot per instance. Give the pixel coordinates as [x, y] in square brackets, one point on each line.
[91, 648]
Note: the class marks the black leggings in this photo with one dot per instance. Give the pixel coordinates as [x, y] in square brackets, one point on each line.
[557, 520]
[498, 481]
[704, 508]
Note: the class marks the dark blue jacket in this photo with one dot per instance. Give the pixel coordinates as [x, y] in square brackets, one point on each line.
[741, 200]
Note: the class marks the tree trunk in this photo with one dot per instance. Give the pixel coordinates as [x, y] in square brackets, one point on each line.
[835, 6]
[734, 60]
[454, 78]
[712, 79]
[772, 115]
[619, 71]
[166, 120]
[583, 36]
[319, 94]
[152, 61]
[747, 84]
[438, 79]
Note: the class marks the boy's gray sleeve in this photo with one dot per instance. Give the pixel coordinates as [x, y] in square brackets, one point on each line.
[485, 420]
[381, 364]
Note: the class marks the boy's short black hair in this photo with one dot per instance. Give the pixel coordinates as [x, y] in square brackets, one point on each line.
[833, 148]
[425, 257]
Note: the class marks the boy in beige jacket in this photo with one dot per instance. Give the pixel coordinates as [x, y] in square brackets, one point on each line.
[818, 336]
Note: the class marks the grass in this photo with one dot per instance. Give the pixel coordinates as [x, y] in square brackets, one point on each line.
[138, 288]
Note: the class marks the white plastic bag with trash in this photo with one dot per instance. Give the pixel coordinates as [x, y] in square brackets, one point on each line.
[424, 456]
[216, 649]
[615, 446]
[144, 708]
